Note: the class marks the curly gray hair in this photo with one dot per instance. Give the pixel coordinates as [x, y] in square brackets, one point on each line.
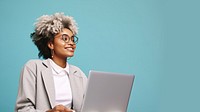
[47, 26]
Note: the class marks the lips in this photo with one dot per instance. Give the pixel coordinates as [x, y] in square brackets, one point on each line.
[70, 49]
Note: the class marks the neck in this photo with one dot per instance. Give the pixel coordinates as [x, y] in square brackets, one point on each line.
[60, 62]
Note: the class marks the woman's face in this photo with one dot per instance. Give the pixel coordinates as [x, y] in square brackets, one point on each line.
[63, 44]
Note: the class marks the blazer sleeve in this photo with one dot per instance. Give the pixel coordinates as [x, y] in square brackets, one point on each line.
[26, 93]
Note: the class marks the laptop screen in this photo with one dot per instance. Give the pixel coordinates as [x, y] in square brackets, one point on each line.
[107, 92]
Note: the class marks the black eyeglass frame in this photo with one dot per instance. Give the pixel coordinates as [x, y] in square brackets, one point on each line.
[74, 38]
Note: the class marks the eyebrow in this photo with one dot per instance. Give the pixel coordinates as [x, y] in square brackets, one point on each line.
[68, 35]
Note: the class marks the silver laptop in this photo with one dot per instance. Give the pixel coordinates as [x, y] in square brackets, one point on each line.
[107, 92]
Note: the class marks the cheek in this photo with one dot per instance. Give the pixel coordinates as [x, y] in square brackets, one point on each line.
[60, 44]
[58, 47]
[74, 47]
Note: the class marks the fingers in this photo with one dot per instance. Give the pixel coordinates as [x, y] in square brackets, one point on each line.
[69, 110]
[61, 108]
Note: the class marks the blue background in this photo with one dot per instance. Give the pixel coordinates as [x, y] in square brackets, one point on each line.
[157, 40]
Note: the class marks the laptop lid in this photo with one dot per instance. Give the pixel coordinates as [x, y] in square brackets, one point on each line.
[107, 92]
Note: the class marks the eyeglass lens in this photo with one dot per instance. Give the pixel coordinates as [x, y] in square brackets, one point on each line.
[66, 38]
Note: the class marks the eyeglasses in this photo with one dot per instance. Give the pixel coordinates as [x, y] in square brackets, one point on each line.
[67, 39]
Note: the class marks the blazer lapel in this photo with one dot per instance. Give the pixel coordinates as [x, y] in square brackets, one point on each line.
[71, 79]
[76, 81]
[47, 77]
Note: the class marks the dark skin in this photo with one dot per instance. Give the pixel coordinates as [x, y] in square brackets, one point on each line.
[62, 50]
[60, 108]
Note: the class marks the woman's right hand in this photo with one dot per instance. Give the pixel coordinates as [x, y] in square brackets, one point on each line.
[60, 108]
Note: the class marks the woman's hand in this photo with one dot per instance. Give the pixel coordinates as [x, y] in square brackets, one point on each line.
[60, 108]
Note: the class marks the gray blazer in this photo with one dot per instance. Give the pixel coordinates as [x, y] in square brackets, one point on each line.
[36, 87]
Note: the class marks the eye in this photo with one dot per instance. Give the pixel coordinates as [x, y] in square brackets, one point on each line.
[65, 37]
[72, 39]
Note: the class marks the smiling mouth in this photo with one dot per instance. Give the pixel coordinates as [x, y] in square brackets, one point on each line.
[70, 49]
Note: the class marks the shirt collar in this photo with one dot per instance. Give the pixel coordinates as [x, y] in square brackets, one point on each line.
[57, 68]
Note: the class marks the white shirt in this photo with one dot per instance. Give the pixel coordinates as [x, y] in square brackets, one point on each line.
[63, 93]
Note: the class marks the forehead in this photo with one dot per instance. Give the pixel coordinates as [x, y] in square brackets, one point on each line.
[65, 31]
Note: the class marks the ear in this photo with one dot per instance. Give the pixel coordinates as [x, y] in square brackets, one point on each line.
[50, 45]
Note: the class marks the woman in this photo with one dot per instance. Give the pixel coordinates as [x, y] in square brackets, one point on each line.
[52, 85]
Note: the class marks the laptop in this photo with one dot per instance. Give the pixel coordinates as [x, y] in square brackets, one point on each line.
[107, 92]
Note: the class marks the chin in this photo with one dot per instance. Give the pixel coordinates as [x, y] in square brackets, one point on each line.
[70, 55]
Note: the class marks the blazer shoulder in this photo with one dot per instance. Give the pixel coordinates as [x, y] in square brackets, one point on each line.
[76, 70]
[36, 63]
[32, 61]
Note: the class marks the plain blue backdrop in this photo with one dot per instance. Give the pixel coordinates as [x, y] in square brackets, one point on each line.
[157, 40]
